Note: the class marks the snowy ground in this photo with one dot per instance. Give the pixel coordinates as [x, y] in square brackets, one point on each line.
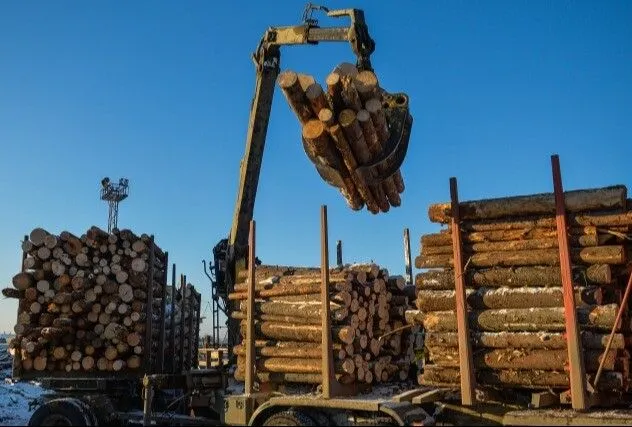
[17, 400]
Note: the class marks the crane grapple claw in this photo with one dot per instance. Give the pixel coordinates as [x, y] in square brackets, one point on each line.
[390, 159]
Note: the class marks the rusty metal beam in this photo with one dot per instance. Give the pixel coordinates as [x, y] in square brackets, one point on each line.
[468, 382]
[250, 327]
[328, 376]
[575, 356]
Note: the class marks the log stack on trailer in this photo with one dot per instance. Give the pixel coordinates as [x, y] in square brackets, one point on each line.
[514, 290]
[99, 304]
[367, 311]
[344, 126]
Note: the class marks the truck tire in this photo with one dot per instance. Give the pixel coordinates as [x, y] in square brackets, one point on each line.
[289, 418]
[63, 412]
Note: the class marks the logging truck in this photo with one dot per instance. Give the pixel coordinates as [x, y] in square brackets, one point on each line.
[165, 386]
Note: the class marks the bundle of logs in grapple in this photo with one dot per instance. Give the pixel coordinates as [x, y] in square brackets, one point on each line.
[345, 127]
[367, 313]
[91, 303]
[514, 289]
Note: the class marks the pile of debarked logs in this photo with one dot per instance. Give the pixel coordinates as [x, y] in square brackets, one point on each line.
[514, 294]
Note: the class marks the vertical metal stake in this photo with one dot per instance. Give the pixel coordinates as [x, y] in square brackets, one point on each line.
[327, 372]
[339, 253]
[407, 257]
[250, 314]
[468, 382]
[575, 356]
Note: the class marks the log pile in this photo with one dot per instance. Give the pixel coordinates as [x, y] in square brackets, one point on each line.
[344, 126]
[367, 312]
[514, 294]
[92, 303]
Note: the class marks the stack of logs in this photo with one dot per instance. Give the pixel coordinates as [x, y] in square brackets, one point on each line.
[345, 127]
[367, 312]
[88, 303]
[513, 290]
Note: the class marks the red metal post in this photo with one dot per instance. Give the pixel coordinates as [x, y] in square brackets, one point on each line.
[468, 382]
[575, 356]
[250, 314]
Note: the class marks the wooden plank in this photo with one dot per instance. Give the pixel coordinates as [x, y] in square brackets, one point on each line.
[576, 361]
[250, 331]
[465, 349]
[429, 396]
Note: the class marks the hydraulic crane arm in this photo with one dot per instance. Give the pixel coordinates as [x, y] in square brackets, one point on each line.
[229, 254]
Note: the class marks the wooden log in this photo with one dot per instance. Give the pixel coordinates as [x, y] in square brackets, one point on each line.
[297, 309]
[375, 148]
[240, 315]
[536, 204]
[346, 69]
[317, 141]
[512, 358]
[302, 333]
[349, 93]
[514, 245]
[23, 281]
[529, 378]
[37, 236]
[298, 365]
[334, 91]
[291, 289]
[287, 349]
[542, 340]
[285, 378]
[612, 254]
[516, 320]
[506, 297]
[353, 132]
[349, 159]
[290, 85]
[367, 85]
[600, 219]
[316, 97]
[537, 276]
[12, 293]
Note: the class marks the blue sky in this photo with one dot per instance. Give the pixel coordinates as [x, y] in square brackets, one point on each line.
[159, 92]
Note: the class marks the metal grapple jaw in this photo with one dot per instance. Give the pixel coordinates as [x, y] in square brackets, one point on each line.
[393, 152]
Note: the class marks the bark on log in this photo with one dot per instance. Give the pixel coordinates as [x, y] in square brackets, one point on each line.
[301, 333]
[349, 159]
[349, 93]
[537, 204]
[320, 146]
[298, 365]
[290, 85]
[367, 85]
[517, 320]
[613, 254]
[353, 132]
[512, 358]
[438, 376]
[513, 245]
[284, 378]
[316, 97]
[23, 281]
[505, 297]
[543, 340]
[297, 350]
[375, 148]
[540, 276]
[297, 309]
[583, 219]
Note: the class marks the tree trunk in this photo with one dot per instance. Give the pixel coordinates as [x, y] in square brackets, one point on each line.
[511, 358]
[505, 297]
[537, 204]
[614, 255]
[300, 333]
[353, 132]
[516, 320]
[289, 83]
[529, 378]
[541, 340]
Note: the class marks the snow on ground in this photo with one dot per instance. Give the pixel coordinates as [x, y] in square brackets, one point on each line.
[17, 400]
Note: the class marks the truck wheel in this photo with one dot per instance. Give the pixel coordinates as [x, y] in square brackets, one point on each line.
[62, 412]
[289, 418]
